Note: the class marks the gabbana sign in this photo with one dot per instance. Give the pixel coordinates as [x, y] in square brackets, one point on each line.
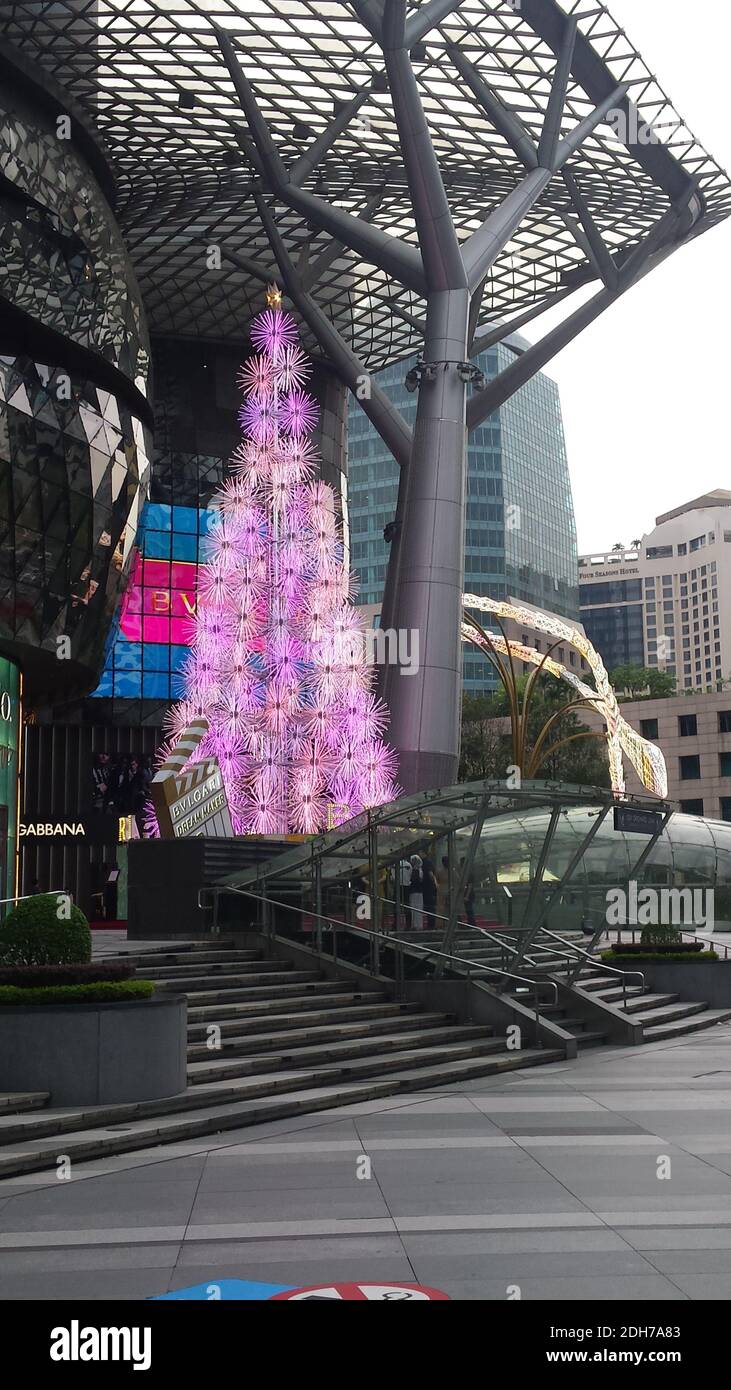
[49, 828]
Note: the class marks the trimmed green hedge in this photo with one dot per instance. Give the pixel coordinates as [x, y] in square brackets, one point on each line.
[686, 958]
[45, 930]
[86, 973]
[121, 992]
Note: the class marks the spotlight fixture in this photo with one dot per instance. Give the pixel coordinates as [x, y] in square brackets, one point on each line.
[186, 101]
[413, 377]
[471, 375]
[231, 158]
[421, 371]
[419, 53]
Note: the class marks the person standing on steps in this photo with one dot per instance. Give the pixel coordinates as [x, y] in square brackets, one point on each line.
[416, 897]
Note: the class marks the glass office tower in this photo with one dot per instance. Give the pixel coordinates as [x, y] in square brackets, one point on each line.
[520, 535]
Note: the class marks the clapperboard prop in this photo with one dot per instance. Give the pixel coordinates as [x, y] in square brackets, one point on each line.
[191, 802]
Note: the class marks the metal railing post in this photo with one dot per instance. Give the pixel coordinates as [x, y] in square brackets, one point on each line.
[318, 904]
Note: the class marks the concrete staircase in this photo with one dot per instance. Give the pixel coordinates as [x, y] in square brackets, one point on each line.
[473, 946]
[291, 1042]
[663, 1016]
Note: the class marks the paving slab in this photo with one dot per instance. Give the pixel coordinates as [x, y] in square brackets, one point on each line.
[546, 1179]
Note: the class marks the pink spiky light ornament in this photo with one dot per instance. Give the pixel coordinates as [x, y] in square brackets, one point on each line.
[277, 656]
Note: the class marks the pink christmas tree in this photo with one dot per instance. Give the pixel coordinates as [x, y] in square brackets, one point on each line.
[277, 661]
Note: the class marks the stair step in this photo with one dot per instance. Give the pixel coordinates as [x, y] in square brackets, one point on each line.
[615, 994]
[201, 958]
[643, 1002]
[693, 1024]
[669, 1014]
[592, 982]
[426, 1042]
[304, 1001]
[253, 1042]
[250, 987]
[264, 1022]
[591, 1039]
[80, 1144]
[183, 973]
[20, 1102]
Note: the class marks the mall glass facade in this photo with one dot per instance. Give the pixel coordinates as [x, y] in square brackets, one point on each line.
[520, 534]
[10, 717]
[74, 363]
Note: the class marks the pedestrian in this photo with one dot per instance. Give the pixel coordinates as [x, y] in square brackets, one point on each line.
[416, 897]
[429, 890]
[404, 889]
[443, 888]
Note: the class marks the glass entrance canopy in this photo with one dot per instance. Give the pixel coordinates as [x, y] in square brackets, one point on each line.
[514, 826]
[561, 836]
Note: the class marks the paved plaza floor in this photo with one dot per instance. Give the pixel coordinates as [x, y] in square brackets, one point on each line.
[548, 1182]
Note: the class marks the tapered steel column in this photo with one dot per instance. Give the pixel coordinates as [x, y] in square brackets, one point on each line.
[426, 595]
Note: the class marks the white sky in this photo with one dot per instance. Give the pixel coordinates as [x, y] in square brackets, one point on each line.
[646, 389]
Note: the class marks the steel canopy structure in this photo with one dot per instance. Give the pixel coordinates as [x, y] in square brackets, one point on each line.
[149, 75]
[428, 177]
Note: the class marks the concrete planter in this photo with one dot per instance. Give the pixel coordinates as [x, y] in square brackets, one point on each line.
[95, 1054]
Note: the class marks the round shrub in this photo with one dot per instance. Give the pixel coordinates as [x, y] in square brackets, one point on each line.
[45, 930]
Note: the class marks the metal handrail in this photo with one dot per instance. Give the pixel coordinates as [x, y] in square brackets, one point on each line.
[47, 893]
[394, 941]
[610, 969]
[501, 937]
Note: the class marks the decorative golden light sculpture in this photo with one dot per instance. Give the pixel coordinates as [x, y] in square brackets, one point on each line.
[646, 758]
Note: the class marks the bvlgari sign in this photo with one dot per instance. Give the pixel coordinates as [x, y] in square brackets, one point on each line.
[190, 802]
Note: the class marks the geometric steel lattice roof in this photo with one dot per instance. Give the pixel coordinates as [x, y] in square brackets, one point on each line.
[150, 76]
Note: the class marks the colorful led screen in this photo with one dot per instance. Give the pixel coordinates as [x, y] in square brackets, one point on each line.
[153, 630]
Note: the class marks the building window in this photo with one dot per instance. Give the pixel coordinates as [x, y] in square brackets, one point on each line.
[726, 808]
[648, 728]
[724, 721]
[724, 761]
[688, 725]
[659, 552]
[690, 767]
[692, 808]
